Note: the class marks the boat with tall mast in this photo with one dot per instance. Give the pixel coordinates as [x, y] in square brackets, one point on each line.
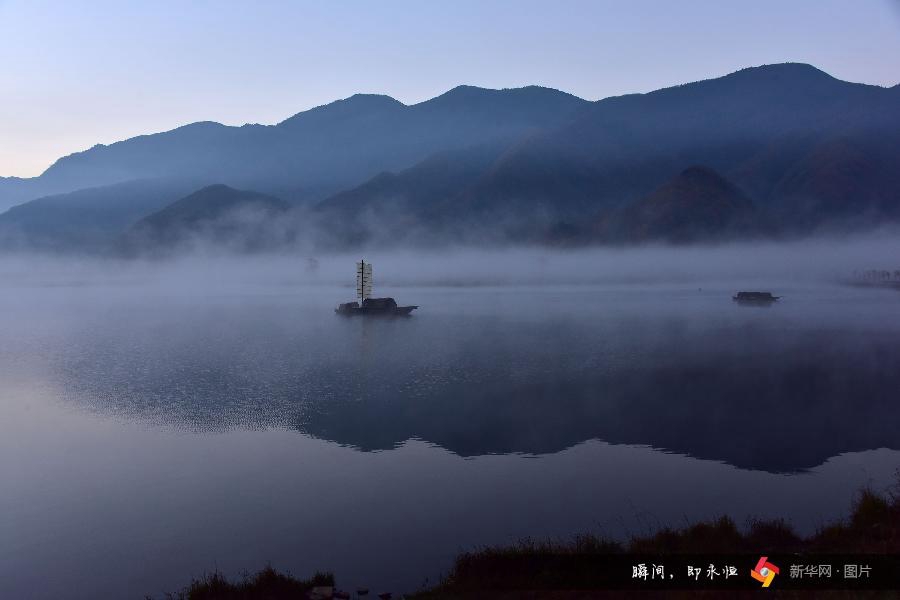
[366, 305]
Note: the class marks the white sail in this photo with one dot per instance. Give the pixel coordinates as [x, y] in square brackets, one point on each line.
[363, 280]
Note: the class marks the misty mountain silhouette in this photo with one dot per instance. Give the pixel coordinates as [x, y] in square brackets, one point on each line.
[532, 164]
[621, 149]
[215, 213]
[407, 207]
[696, 205]
[807, 150]
[88, 218]
[326, 148]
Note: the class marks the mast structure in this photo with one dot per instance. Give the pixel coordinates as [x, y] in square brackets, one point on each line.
[363, 280]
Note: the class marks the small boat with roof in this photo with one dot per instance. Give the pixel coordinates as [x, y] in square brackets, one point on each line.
[758, 298]
[366, 306]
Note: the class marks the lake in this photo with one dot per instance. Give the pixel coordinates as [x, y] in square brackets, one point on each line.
[148, 436]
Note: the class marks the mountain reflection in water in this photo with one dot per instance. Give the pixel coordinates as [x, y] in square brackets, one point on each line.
[496, 371]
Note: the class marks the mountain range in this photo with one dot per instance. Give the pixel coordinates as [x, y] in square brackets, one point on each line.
[781, 149]
[216, 214]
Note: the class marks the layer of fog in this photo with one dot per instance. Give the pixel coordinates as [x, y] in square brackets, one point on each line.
[811, 261]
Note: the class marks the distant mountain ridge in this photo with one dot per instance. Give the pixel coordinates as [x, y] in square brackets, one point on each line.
[780, 148]
[767, 130]
[329, 147]
[697, 205]
[87, 219]
[622, 148]
[216, 214]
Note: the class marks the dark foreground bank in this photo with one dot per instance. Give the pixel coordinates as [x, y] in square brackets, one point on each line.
[870, 537]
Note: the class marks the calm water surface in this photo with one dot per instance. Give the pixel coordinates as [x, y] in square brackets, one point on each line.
[147, 437]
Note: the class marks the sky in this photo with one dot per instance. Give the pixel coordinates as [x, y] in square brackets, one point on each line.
[74, 74]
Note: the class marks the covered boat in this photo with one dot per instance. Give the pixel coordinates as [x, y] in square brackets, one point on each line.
[755, 297]
[371, 306]
[374, 306]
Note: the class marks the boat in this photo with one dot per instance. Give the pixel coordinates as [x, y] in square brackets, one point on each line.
[375, 307]
[371, 307]
[876, 278]
[755, 298]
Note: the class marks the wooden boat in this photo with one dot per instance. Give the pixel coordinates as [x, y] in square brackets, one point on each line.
[755, 298]
[375, 307]
[372, 307]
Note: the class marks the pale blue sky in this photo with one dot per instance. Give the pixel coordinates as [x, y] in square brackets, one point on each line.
[74, 73]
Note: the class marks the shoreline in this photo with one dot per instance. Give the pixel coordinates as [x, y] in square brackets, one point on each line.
[554, 570]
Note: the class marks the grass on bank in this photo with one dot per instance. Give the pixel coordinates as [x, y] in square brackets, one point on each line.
[873, 527]
[268, 584]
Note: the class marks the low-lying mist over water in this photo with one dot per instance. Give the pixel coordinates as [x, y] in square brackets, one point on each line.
[533, 393]
[822, 259]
